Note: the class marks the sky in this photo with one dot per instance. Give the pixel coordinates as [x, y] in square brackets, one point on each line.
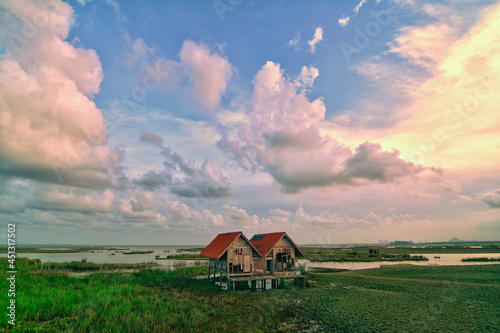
[168, 122]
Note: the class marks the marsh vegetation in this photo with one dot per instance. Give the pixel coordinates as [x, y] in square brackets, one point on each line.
[392, 298]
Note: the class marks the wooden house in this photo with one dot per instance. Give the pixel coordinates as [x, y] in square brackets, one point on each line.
[231, 254]
[278, 252]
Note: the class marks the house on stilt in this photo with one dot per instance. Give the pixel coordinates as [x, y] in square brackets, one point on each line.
[278, 251]
[231, 254]
[241, 261]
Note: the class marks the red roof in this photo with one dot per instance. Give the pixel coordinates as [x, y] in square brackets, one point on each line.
[265, 242]
[219, 245]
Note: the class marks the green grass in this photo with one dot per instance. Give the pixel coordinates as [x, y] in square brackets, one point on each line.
[481, 259]
[398, 298]
[147, 301]
[84, 266]
[187, 257]
[406, 298]
[194, 249]
[362, 255]
[139, 252]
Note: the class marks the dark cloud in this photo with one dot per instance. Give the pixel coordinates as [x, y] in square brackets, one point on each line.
[204, 181]
[370, 162]
[152, 180]
[152, 138]
[492, 198]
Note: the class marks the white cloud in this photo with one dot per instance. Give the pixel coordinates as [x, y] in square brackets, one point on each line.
[307, 77]
[210, 73]
[295, 41]
[344, 21]
[358, 6]
[318, 37]
[52, 130]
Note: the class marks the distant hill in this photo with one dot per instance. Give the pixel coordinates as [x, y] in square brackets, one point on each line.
[456, 240]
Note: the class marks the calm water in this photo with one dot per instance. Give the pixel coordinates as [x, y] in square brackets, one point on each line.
[114, 256]
[117, 257]
[452, 259]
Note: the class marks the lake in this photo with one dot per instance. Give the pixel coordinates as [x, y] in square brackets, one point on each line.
[450, 259]
[114, 256]
[117, 257]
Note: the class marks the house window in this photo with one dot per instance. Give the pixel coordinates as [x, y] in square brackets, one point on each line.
[239, 252]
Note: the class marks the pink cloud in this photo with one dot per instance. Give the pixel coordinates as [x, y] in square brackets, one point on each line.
[283, 139]
[210, 73]
[52, 131]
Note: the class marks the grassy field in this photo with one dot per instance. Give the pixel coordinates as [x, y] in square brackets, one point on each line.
[83, 266]
[400, 298]
[406, 298]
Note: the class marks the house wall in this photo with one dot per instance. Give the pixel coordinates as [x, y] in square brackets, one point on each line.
[282, 244]
[239, 255]
[219, 265]
[259, 265]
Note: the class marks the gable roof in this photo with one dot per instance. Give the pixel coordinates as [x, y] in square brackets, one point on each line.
[221, 243]
[265, 242]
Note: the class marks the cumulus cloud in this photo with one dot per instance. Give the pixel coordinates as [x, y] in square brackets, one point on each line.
[51, 129]
[370, 162]
[209, 72]
[181, 216]
[318, 37]
[283, 139]
[307, 76]
[185, 178]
